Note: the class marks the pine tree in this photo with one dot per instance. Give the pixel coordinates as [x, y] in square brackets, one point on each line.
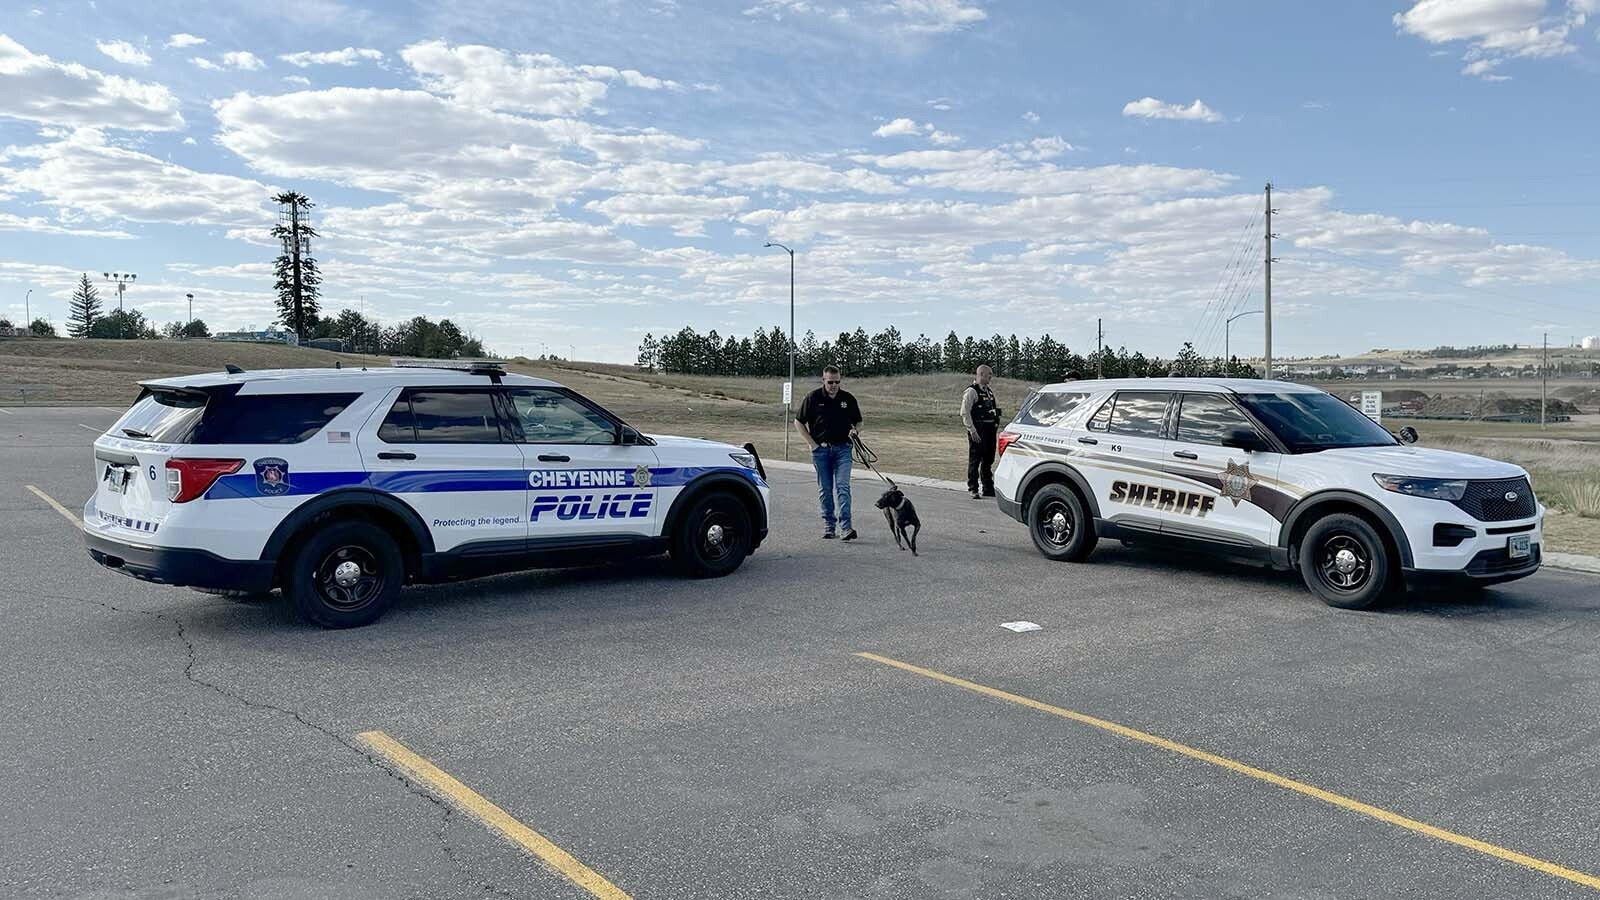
[85, 308]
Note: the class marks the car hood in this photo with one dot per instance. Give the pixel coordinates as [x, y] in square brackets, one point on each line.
[1423, 462]
[674, 442]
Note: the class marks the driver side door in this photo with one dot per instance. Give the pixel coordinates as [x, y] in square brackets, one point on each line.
[582, 481]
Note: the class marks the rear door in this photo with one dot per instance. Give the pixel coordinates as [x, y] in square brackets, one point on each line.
[1128, 460]
[582, 481]
[448, 454]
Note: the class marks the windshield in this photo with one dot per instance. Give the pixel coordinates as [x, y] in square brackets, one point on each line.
[1308, 422]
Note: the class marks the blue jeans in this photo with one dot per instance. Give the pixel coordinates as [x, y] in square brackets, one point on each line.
[833, 474]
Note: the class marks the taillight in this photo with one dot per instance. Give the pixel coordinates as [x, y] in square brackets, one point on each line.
[190, 478]
[1007, 438]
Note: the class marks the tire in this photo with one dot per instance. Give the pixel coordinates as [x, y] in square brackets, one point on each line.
[236, 596]
[713, 538]
[323, 592]
[1345, 562]
[1058, 525]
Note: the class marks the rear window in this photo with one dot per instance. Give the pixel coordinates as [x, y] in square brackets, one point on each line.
[1049, 409]
[269, 418]
[430, 416]
[1139, 414]
[161, 416]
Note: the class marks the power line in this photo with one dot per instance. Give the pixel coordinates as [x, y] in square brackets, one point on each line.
[1241, 248]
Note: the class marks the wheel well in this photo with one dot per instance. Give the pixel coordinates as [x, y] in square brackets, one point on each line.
[746, 497]
[1325, 508]
[355, 512]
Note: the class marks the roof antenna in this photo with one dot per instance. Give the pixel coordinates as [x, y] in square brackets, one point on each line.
[338, 364]
[233, 369]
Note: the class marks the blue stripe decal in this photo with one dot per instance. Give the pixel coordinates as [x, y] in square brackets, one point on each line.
[301, 483]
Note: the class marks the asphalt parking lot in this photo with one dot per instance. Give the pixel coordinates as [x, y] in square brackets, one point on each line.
[724, 739]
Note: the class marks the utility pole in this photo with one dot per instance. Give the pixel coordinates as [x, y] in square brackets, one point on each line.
[1544, 381]
[1268, 291]
[27, 313]
[191, 313]
[1099, 349]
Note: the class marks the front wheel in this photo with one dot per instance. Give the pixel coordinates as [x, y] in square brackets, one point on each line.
[1058, 525]
[1344, 562]
[714, 537]
[346, 575]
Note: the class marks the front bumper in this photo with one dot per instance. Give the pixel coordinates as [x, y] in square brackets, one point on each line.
[181, 566]
[1493, 566]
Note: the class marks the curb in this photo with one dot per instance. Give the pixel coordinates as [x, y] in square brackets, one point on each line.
[1570, 562]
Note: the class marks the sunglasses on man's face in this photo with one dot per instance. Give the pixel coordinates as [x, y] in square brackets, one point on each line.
[830, 382]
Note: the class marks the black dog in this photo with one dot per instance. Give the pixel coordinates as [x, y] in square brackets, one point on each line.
[902, 517]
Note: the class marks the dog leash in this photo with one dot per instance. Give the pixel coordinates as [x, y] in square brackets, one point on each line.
[867, 457]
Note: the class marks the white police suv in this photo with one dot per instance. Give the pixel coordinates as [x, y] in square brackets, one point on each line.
[1266, 471]
[340, 485]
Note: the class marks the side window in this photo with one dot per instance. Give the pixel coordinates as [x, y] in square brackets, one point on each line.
[1208, 418]
[1139, 414]
[269, 418]
[1050, 409]
[1102, 416]
[552, 417]
[398, 426]
[454, 417]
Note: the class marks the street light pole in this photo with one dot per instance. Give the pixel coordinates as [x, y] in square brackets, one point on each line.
[1227, 357]
[790, 398]
[27, 311]
[189, 325]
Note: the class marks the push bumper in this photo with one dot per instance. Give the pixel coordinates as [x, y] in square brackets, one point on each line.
[1486, 568]
[180, 565]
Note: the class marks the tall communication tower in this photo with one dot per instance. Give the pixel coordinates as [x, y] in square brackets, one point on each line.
[294, 232]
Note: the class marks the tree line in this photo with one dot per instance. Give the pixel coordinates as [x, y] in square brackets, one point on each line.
[1042, 359]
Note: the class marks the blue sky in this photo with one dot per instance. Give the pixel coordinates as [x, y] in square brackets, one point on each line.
[565, 176]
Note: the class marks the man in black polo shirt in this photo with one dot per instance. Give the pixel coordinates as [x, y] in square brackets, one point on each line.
[828, 418]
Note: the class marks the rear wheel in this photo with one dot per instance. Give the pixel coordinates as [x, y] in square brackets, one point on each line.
[1058, 525]
[346, 575]
[1344, 562]
[713, 539]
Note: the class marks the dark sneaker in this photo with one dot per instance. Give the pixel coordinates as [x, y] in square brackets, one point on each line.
[850, 535]
[827, 535]
[973, 494]
[989, 492]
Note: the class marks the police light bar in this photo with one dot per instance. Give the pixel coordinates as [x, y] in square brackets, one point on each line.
[458, 365]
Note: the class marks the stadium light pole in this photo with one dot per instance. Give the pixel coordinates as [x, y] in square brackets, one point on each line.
[1227, 357]
[790, 398]
[188, 324]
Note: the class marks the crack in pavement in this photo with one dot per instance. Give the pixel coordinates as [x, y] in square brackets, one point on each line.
[372, 759]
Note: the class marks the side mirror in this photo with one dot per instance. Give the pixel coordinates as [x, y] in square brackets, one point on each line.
[1408, 435]
[628, 436]
[1245, 439]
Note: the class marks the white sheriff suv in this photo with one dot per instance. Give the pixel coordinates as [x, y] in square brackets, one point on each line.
[340, 485]
[1265, 471]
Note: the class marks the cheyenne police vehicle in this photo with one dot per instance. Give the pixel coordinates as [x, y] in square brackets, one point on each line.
[340, 485]
[1262, 470]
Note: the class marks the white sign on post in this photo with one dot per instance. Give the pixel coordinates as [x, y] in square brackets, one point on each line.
[788, 392]
[1372, 405]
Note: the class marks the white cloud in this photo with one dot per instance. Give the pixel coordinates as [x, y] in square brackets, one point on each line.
[243, 60]
[349, 56]
[1031, 117]
[899, 128]
[1151, 108]
[206, 64]
[525, 82]
[1495, 30]
[123, 52]
[37, 225]
[937, 16]
[910, 17]
[38, 89]
[297, 80]
[940, 103]
[684, 214]
[181, 40]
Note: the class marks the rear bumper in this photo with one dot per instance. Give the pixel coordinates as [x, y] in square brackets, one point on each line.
[180, 565]
[1487, 567]
[1010, 507]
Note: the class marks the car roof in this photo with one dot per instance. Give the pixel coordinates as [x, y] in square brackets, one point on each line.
[1208, 385]
[281, 381]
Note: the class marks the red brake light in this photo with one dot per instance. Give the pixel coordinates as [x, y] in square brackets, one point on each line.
[190, 478]
[1007, 438]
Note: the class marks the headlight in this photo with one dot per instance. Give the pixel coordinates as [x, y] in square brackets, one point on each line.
[1431, 488]
[743, 459]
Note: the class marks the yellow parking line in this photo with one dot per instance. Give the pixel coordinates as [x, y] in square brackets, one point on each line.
[1301, 787]
[436, 780]
[54, 505]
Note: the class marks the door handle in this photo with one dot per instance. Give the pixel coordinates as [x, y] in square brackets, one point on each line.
[397, 454]
[1087, 440]
[1184, 454]
[554, 457]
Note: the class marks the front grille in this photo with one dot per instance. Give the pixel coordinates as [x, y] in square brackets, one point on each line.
[1486, 500]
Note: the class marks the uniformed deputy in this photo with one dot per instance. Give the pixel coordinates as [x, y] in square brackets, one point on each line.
[828, 418]
[981, 414]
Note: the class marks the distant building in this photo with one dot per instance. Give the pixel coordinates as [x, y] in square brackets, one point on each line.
[270, 336]
[1592, 342]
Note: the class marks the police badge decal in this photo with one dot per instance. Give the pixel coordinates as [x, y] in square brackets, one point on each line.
[272, 476]
[1237, 482]
[641, 476]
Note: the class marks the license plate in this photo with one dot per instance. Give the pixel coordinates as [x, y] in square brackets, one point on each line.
[1520, 546]
[116, 479]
